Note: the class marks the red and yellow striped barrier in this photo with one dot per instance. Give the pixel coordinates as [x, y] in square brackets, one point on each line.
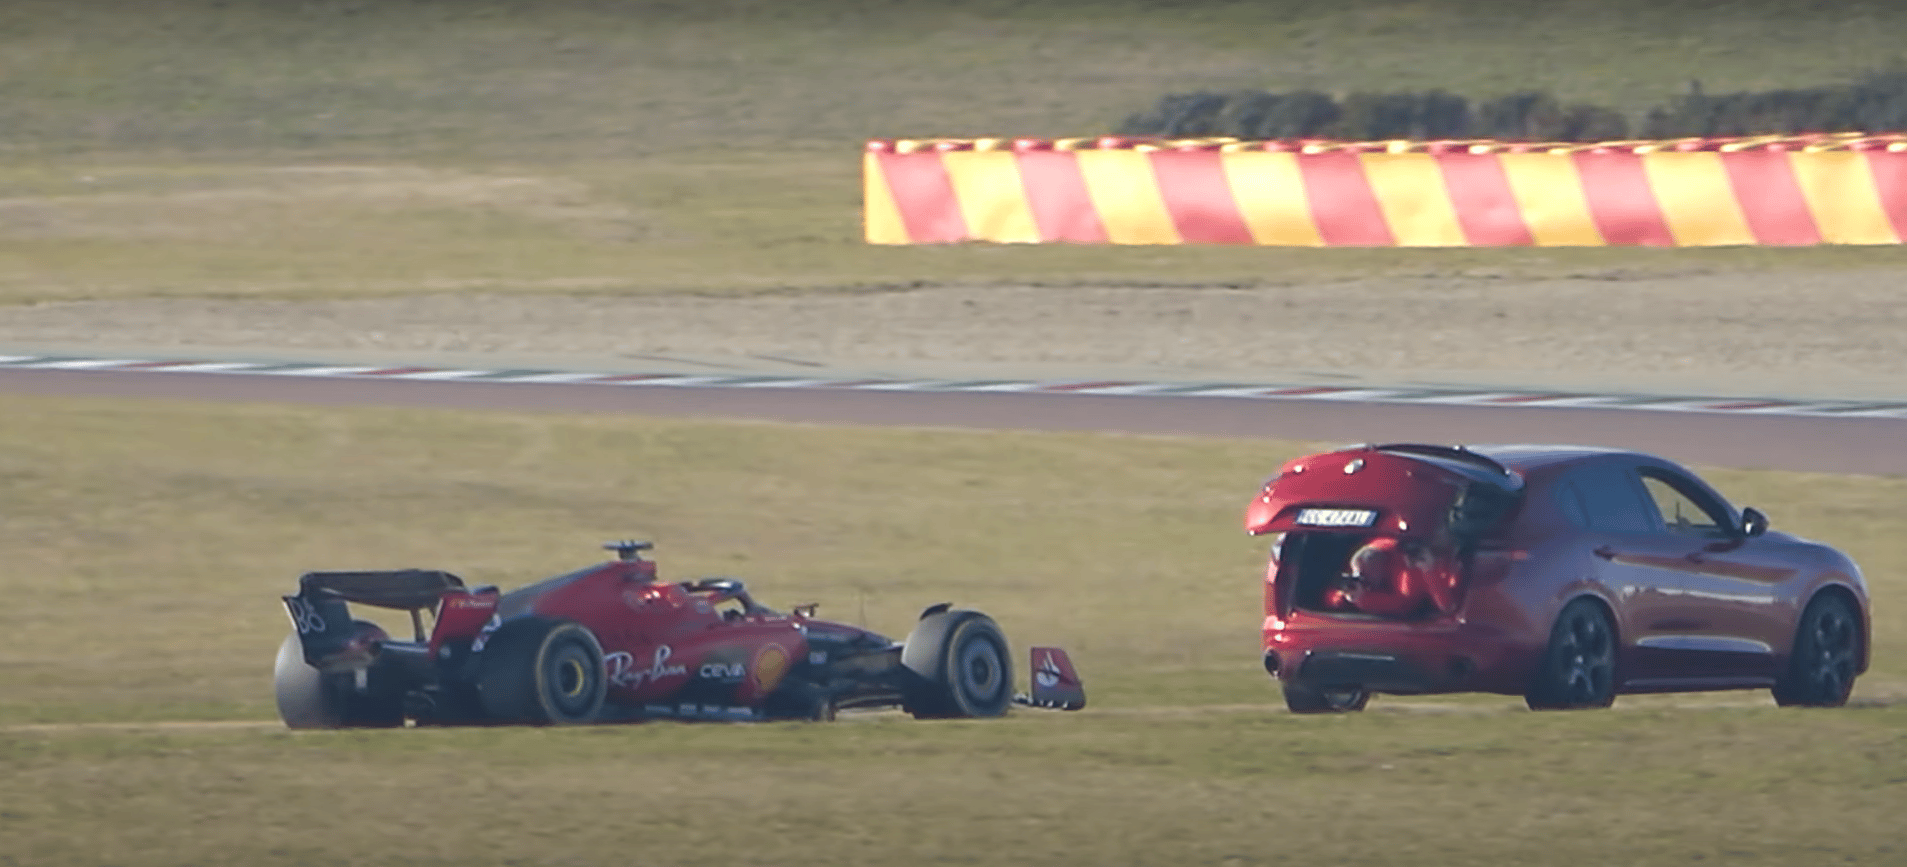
[1839, 189]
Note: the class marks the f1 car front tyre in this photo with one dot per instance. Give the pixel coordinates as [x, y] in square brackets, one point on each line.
[1824, 657]
[311, 699]
[1578, 669]
[1305, 698]
[961, 659]
[540, 671]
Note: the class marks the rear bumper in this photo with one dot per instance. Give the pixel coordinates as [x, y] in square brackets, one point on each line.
[1441, 656]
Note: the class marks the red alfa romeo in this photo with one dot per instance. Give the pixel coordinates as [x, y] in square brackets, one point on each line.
[1563, 574]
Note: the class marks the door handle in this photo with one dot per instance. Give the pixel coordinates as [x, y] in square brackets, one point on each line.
[1605, 552]
[1697, 557]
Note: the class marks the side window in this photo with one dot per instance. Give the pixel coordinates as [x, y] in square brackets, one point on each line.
[1571, 504]
[1612, 501]
[1684, 510]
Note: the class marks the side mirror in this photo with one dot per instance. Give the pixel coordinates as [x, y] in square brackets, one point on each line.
[1753, 522]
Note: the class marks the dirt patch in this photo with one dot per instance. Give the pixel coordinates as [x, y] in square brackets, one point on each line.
[1789, 334]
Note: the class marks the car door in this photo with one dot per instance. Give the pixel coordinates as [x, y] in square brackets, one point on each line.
[1728, 599]
[1633, 564]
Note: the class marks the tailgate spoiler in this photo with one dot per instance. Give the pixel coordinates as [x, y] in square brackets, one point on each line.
[402, 589]
[1400, 489]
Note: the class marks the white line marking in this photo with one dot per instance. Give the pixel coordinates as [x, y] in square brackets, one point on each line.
[558, 378]
[441, 374]
[784, 383]
[212, 367]
[1814, 408]
[82, 363]
[312, 372]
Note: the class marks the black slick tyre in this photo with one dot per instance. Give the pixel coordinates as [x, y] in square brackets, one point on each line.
[541, 671]
[1306, 698]
[1825, 656]
[1578, 668]
[961, 660]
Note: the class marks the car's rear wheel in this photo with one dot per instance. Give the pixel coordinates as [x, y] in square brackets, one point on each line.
[1306, 698]
[540, 671]
[1825, 656]
[312, 699]
[961, 658]
[1578, 669]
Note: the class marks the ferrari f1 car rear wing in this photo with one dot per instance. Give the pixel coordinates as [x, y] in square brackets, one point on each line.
[402, 589]
[321, 614]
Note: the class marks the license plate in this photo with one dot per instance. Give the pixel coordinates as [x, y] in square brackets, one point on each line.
[1337, 517]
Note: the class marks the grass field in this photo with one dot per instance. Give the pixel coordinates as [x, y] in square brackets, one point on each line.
[145, 543]
[254, 148]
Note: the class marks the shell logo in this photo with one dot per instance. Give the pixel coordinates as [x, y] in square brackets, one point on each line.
[771, 662]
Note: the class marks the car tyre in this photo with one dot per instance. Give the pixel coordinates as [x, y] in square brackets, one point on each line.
[800, 700]
[311, 699]
[1307, 698]
[1578, 669]
[541, 671]
[961, 659]
[1825, 656]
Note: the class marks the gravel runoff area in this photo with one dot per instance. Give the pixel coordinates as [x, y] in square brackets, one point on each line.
[1832, 334]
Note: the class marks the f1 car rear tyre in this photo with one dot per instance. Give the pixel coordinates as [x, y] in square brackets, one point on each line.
[1824, 657]
[1578, 668]
[961, 658]
[1305, 698]
[311, 699]
[541, 671]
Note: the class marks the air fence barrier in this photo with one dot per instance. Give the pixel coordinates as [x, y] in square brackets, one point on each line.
[1776, 190]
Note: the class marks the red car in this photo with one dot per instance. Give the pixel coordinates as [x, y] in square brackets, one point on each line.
[611, 643]
[1563, 574]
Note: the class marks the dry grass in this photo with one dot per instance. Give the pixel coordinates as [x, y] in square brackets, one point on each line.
[1757, 787]
[145, 543]
[569, 78]
[169, 529]
[182, 533]
[249, 149]
[256, 149]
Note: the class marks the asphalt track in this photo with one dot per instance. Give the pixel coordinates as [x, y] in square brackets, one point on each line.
[1860, 445]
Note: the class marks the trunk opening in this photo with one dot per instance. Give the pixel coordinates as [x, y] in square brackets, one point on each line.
[1367, 576]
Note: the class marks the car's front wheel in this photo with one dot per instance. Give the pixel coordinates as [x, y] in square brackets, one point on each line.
[961, 658]
[1305, 698]
[1825, 655]
[1578, 669]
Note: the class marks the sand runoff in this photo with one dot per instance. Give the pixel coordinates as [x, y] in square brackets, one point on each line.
[1807, 334]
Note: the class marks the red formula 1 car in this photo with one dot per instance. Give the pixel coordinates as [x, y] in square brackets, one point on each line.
[1566, 575]
[611, 643]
